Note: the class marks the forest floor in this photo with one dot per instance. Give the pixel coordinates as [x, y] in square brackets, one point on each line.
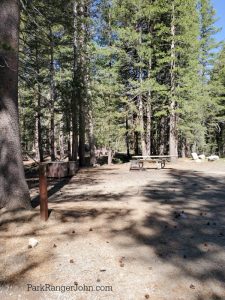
[153, 234]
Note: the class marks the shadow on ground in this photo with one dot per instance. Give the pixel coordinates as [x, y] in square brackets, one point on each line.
[187, 225]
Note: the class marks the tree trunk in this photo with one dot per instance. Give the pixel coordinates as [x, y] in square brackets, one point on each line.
[91, 139]
[183, 148]
[142, 129]
[76, 88]
[141, 108]
[136, 143]
[149, 113]
[52, 99]
[38, 129]
[14, 191]
[68, 125]
[163, 136]
[127, 138]
[109, 156]
[82, 99]
[61, 142]
[36, 146]
[40, 144]
[173, 135]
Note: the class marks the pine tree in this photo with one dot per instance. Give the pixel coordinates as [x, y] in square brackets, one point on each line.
[13, 187]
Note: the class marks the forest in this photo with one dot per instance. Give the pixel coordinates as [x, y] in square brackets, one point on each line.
[131, 76]
[91, 77]
[92, 93]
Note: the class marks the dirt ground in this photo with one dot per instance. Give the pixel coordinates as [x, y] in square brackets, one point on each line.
[152, 234]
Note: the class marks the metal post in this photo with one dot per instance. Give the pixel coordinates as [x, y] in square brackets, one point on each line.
[43, 192]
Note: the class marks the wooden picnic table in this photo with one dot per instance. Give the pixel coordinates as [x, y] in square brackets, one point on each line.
[137, 161]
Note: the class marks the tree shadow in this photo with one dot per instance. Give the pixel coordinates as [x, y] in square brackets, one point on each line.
[187, 226]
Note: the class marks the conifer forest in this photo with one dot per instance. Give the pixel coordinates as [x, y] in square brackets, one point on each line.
[136, 76]
[105, 84]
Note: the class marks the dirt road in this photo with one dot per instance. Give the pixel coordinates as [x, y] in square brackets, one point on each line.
[153, 234]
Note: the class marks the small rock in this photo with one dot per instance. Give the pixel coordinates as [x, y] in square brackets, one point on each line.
[208, 223]
[90, 229]
[98, 280]
[32, 243]
[221, 234]
[102, 270]
[147, 296]
[121, 259]
[73, 231]
[54, 246]
[185, 256]
[121, 265]
[192, 286]
[71, 261]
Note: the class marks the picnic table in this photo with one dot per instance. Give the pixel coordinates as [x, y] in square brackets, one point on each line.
[137, 162]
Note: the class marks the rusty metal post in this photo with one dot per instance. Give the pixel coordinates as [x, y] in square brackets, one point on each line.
[43, 192]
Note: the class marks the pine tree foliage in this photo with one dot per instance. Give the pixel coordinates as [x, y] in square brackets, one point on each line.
[140, 76]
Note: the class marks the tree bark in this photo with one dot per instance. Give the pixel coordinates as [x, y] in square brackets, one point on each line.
[52, 99]
[14, 191]
[173, 135]
[163, 136]
[109, 156]
[75, 92]
[61, 141]
[82, 99]
[141, 107]
[127, 137]
[38, 129]
[149, 113]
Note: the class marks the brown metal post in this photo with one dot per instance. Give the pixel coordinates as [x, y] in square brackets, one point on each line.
[43, 192]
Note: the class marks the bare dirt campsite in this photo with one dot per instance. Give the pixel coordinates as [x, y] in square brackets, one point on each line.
[150, 234]
[112, 150]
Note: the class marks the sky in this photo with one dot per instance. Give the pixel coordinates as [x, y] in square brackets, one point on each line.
[219, 6]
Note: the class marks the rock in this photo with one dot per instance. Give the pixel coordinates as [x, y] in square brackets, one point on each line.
[32, 243]
[194, 156]
[96, 165]
[192, 286]
[121, 259]
[213, 157]
[201, 156]
[71, 261]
